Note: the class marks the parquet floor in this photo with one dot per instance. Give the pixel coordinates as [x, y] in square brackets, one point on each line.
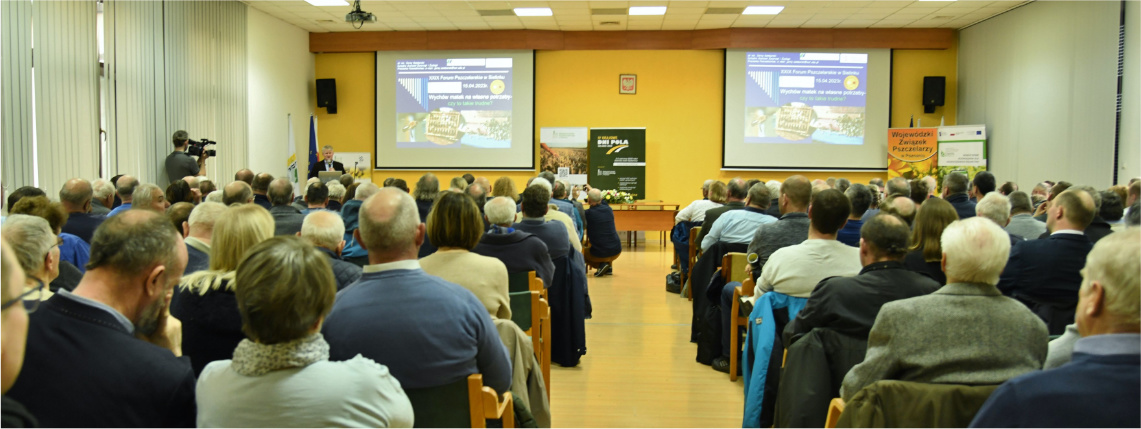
[639, 369]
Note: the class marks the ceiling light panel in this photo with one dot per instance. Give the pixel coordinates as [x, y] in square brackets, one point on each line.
[762, 10]
[533, 11]
[647, 10]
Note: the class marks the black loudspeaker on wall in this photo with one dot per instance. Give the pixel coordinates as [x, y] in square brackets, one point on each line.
[934, 88]
[327, 94]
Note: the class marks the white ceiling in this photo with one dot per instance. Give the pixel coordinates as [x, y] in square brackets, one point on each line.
[435, 15]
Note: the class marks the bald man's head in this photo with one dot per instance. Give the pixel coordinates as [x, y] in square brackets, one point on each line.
[280, 192]
[75, 196]
[125, 187]
[795, 194]
[237, 192]
[245, 175]
[261, 182]
[390, 223]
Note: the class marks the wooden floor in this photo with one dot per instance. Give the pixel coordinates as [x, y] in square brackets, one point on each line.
[639, 369]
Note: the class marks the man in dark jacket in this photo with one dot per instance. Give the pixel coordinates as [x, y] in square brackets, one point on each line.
[519, 250]
[104, 350]
[260, 187]
[735, 200]
[326, 231]
[604, 245]
[76, 197]
[849, 305]
[955, 192]
[286, 218]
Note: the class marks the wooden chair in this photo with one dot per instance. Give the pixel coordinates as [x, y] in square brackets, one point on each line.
[732, 269]
[532, 314]
[835, 408]
[465, 403]
[694, 248]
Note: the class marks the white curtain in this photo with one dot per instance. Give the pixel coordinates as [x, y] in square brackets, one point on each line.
[66, 91]
[16, 87]
[175, 65]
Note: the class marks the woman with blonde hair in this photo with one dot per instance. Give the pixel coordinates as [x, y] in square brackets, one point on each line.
[36, 248]
[505, 187]
[926, 253]
[455, 227]
[204, 301]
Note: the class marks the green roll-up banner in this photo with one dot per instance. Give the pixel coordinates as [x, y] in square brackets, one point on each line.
[618, 160]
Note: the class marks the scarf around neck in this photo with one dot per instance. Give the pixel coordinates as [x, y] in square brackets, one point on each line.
[253, 359]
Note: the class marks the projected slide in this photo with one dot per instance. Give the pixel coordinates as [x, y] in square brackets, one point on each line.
[453, 103]
[802, 97]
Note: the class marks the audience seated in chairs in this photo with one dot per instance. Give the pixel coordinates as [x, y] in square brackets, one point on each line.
[284, 291]
[791, 228]
[860, 198]
[926, 255]
[326, 231]
[505, 187]
[964, 333]
[554, 234]
[736, 191]
[519, 251]
[739, 226]
[1101, 386]
[901, 207]
[455, 227]
[713, 195]
[198, 233]
[603, 245]
[428, 332]
[204, 301]
[1045, 274]
[179, 192]
[286, 218]
[996, 207]
[103, 356]
[552, 213]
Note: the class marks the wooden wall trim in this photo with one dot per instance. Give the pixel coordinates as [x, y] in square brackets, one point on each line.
[823, 38]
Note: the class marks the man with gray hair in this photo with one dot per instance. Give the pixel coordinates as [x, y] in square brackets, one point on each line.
[897, 187]
[395, 291]
[1022, 221]
[736, 193]
[560, 191]
[75, 197]
[149, 196]
[1045, 274]
[198, 231]
[738, 226]
[955, 187]
[103, 196]
[125, 189]
[336, 194]
[996, 207]
[1101, 386]
[287, 219]
[326, 231]
[603, 245]
[237, 192]
[178, 163]
[552, 215]
[117, 320]
[520, 251]
[964, 333]
[327, 163]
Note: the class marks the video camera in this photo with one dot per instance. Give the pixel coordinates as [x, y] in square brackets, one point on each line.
[197, 147]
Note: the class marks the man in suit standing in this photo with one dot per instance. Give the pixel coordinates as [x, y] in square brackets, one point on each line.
[964, 333]
[1101, 386]
[955, 192]
[1045, 274]
[327, 163]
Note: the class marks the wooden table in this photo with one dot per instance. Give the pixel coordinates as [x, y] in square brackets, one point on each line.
[644, 217]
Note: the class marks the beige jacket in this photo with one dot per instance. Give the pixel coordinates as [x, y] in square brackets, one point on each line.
[484, 276]
[527, 378]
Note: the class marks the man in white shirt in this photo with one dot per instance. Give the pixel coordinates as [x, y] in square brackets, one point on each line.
[795, 270]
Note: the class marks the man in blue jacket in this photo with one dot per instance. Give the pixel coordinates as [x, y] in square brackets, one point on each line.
[1101, 386]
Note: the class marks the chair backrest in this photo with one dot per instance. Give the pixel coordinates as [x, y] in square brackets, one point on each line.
[521, 310]
[894, 403]
[733, 267]
[518, 281]
[444, 406]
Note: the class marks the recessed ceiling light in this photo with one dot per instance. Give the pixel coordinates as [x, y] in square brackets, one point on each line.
[533, 11]
[327, 2]
[762, 10]
[647, 10]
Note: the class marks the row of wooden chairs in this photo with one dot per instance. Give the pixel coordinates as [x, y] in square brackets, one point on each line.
[531, 310]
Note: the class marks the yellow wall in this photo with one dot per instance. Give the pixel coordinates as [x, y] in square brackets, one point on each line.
[908, 69]
[679, 101]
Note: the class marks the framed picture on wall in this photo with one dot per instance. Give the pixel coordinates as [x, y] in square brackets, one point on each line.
[627, 84]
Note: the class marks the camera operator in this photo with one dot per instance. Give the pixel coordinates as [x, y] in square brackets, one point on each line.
[178, 163]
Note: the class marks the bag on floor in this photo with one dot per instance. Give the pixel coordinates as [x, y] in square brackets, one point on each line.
[673, 282]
